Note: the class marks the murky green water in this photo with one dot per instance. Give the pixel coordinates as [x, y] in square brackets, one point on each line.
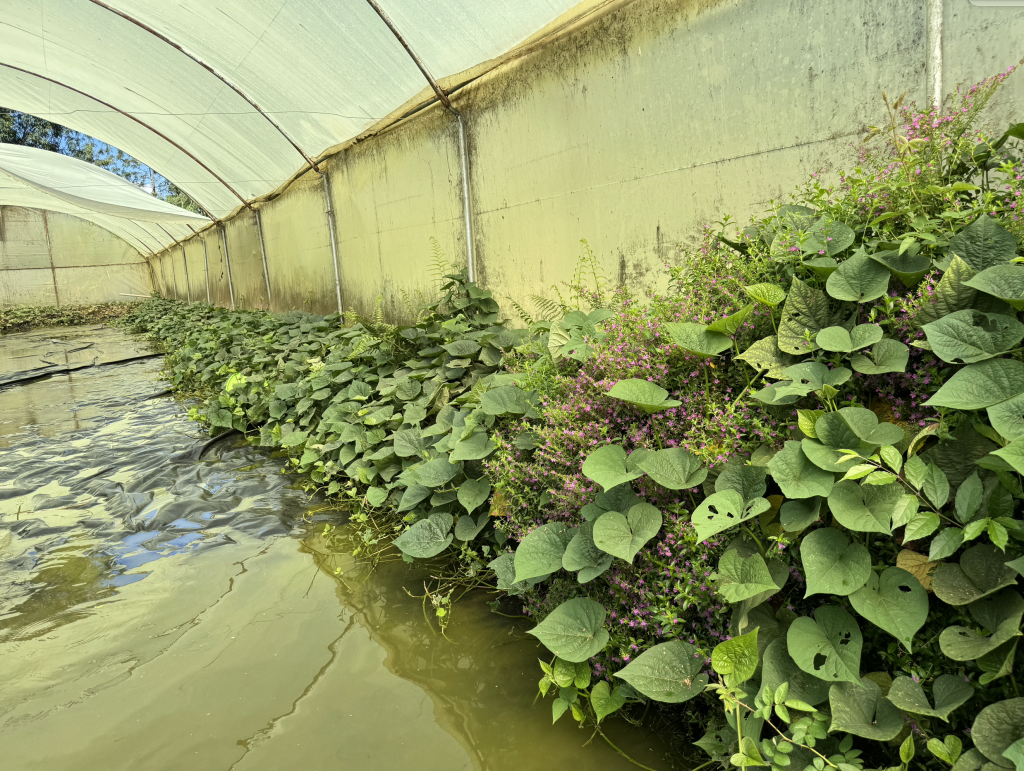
[165, 603]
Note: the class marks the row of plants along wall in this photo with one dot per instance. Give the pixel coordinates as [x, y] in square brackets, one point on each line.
[785, 494]
[21, 318]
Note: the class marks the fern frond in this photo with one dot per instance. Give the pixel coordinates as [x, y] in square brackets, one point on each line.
[526, 318]
[547, 309]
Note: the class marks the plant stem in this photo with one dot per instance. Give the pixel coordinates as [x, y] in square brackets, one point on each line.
[623, 754]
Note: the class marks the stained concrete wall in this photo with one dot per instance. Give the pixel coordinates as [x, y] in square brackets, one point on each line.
[632, 131]
[49, 258]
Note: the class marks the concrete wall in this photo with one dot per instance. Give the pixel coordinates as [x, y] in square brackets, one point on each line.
[632, 131]
[56, 259]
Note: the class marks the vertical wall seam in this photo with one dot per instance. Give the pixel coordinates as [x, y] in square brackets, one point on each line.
[935, 19]
[206, 266]
[227, 264]
[334, 240]
[49, 251]
[263, 253]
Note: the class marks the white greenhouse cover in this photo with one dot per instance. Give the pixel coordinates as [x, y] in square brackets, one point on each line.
[323, 71]
[43, 180]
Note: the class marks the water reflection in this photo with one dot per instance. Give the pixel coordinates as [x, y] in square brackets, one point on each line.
[169, 603]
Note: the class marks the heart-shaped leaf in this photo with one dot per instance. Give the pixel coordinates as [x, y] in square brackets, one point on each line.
[984, 243]
[797, 476]
[859, 279]
[674, 468]
[894, 601]
[644, 394]
[887, 355]
[864, 508]
[981, 385]
[858, 708]
[840, 340]
[1003, 281]
[908, 268]
[437, 472]
[467, 528]
[997, 727]
[583, 555]
[981, 572]
[605, 700]
[723, 510]
[476, 446]
[473, 493]
[740, 578]
[573, 631]
[970, 336]
[698, 339]
[749, 481]
[798, 515]
[540, 552]
[428, 537]
[766, 356]
[778, 667]
[805, 313]
[669, 672]
[622, 536]
[730, 325]
[833, 565]
[827, 646]
[736, 659]
[766, 294]
[1013, 454]
[607, 466]
[505, 571]
[999, 613]
[949, 692]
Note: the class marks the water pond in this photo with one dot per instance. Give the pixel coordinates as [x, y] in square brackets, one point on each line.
[169, 602]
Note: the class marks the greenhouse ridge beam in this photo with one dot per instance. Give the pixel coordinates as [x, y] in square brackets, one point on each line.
[223, 79]
[142, 123]
[463, 151]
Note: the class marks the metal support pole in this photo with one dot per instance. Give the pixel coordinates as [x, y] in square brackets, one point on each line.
[334, 240]
[188, 284]
[53, 268]
[263, 253]
[227, 264]
[206, 265]
[466, 208]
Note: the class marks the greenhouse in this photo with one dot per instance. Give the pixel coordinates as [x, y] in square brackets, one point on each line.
[452, 384]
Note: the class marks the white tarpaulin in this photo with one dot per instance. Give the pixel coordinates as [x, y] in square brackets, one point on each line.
[174, 82]
[43, 180]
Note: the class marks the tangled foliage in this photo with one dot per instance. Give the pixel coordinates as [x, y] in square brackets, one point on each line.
[20, 318]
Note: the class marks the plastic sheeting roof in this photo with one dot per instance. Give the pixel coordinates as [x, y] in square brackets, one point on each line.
[43, 180]
[322, 70]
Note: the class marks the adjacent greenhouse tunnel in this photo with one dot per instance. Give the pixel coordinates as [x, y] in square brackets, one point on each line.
[625, 122]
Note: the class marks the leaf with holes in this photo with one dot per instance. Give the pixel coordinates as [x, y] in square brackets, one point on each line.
[540, 552]
[833, 565]
[607, 466]
[887, 355]
[859, 708]
[806, 312]
[827, 646]
[669, 672]
[647, 396]
[723, 510]
[970, 336]
[949, 692]
[999, 613]
[778, 667]
[623, 536]
[895, 602]
[797, 476]
[573, 631]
